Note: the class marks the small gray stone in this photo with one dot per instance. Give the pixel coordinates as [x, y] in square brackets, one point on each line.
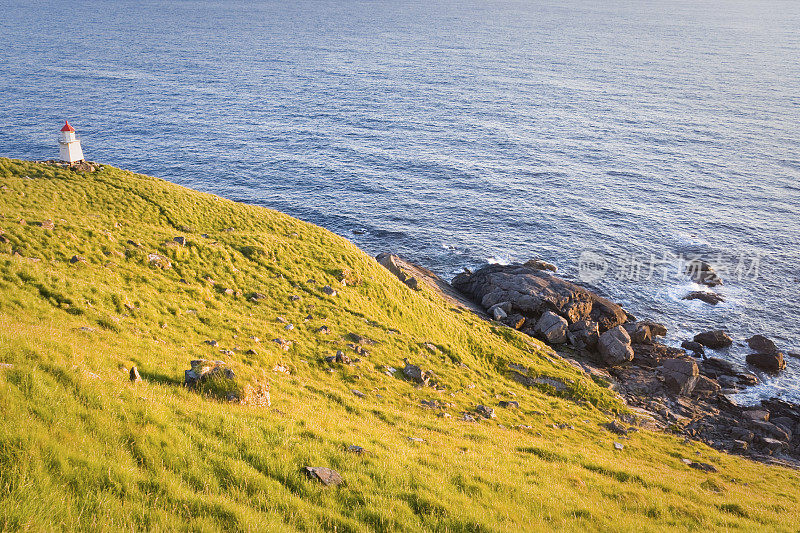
[326, 476]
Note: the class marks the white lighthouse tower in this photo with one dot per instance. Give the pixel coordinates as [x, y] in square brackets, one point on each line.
[70, 145]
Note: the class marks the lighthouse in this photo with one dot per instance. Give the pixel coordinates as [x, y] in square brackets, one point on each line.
[70, 145]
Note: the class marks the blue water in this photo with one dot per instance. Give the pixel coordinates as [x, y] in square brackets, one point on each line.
[457, 133]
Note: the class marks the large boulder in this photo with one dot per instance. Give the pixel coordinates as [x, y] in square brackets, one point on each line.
[615, 346]
[551, 328]
[714, 339]
[532, 292]
[711, 298]
[583, 334]
[761, 344]
[680, 375]
[771, 362]
[203, 370]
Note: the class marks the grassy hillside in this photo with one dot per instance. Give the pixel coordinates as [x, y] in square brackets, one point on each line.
[83, 448]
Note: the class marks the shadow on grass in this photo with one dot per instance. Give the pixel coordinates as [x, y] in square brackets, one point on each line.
[164, 379]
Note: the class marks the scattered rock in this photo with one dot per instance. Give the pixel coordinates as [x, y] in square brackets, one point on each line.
[485, 412]
[416, 439]
[47, 224]
[159, 261]
[212, 343]
[251, 352]
[77, 259]
[6, 366]
[86, 329]
[180, 240]
[285, 345]
[327, 289]
[711, 298]
[615, 346]
[761, 344]
[498, 313]
[134, 375]
[355, 449]
[202, 370]
[771, 362]
[340, 358]
[257, 297]
[358, 393]
[509, 404]
[616, 427]
[415, 373]
[715, 339]
[618, 446]
[288, 327]
[551, 328]
[326, 476]
[705, 467]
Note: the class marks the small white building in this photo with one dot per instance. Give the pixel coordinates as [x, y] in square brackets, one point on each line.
[70, 145]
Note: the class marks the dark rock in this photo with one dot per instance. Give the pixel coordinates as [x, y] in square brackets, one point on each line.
[771, 430]
[134, 375]
[756, 415]
[701, 272]
[711, 298]
[180, 240]
[212, 343]
[742, 434]
[771, 362]
[739, 446]
[616, 427]
[694, 347]
[713, 339]
[706, 387]
[615, 346]
[415, 373]
[509, 404]
[761, 344]
[77, 259]
[551, 328]
[327, 289]
[583, 334]
[326, 476]
[680, 375]
[515, 321]
[656, 329]
[532, 292]
[640, 334]
[358, 450]
[773, 445]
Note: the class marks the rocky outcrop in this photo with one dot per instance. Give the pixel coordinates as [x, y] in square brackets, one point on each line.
[532, 292]
[203, 370]
[393, 264]
[715, 340]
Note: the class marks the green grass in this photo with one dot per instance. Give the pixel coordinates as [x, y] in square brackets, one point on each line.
[81, 448]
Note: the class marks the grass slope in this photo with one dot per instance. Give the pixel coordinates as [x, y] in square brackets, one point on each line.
[81, 448]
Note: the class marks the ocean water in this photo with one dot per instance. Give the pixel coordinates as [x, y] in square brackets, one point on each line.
[614, 139]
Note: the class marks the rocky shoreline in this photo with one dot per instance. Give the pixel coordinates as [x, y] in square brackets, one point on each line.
[673, 389]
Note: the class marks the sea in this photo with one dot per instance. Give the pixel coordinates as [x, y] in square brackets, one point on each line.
[616, 139]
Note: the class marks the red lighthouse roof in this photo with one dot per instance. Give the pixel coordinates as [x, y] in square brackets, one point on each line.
[67, 127]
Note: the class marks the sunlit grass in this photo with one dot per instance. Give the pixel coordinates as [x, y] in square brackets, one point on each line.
[82, 448]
